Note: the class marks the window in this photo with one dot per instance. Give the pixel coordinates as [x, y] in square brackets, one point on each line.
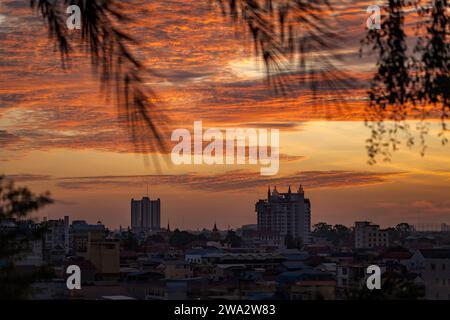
[433, 266]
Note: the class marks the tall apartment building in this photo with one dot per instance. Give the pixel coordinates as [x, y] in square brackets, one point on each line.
[56, 239]
[368, 235]
[282, 215]
[145, 215]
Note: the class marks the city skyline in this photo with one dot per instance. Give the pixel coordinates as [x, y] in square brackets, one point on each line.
[279, 258]
[424, 226]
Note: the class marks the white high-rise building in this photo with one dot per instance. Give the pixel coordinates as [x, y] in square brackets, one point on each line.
[282, 215]
[145, 215]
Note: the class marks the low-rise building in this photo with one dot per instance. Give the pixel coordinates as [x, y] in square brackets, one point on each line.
[352, 275]
[307, 284]
[178, 269]
[433, 266]
[368, 235]
[90, 243]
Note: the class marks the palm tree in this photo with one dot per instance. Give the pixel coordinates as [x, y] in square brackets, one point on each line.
[111, 59]
[282, 31]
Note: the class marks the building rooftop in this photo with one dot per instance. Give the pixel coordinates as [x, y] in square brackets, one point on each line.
[435, 253]
[117, 298]
[308, 274]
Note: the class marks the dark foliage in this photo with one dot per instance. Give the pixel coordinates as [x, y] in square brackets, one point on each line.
[407, 81]
[282, 31]
[335, 234]
[181, 239]
[110, 51]
[293, 243]
[233, 239]
[394, 286]
[16, 234]
[293, 30]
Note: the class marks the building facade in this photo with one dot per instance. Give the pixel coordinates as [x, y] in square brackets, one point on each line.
[368, 235]
[81, 232]
[282, 215]
[56, 239]
[91, 243]
[433, 266]
[145, 215]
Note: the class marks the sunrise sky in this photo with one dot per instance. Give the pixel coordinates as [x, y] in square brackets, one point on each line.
[58, 133]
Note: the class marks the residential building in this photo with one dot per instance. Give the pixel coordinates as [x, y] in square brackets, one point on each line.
[307, 284]
[56, 239]
[81, 232]
[433, 266]
[368, 235]
[104, 254]
[313, 290]
[352, 275]
[178, 269]
[90, 243]
[282, 215]
[145, 215]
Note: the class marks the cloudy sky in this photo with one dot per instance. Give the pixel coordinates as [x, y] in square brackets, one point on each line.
[58, 133]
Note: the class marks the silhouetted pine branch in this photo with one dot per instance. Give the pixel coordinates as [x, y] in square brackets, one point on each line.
[287, 31]
[112, 61]
[281, 31]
